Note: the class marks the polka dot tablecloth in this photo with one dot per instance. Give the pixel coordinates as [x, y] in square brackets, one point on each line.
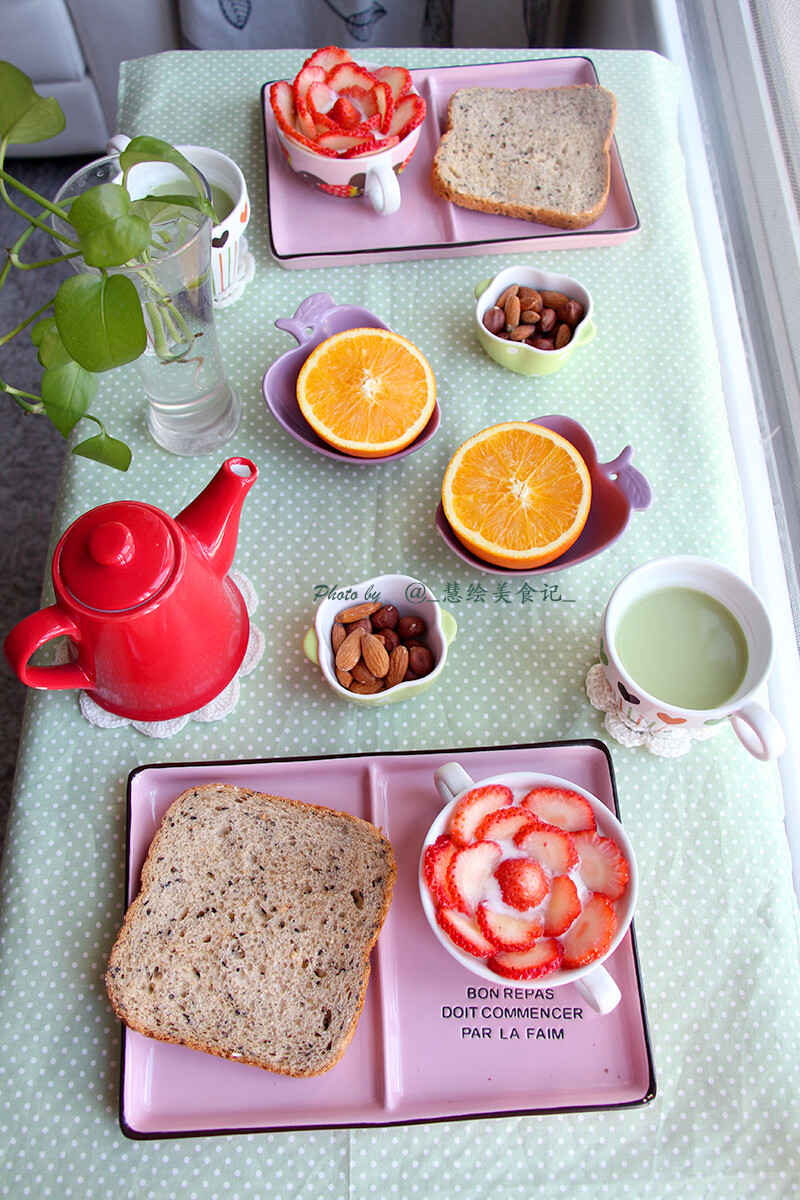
[716, 921]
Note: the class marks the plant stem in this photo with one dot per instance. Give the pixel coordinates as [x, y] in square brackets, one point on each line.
[40, 200]
[12, 333]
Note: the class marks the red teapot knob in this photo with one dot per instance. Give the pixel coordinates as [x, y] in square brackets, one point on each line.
[111, 544]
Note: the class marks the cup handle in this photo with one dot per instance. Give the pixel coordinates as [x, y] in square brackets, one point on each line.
[117, 143]
[311, 646]
[450, 780]
[599, 990]
[382, 189]
[759, 732]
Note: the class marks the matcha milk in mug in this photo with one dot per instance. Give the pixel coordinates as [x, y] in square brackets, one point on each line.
[686, 643]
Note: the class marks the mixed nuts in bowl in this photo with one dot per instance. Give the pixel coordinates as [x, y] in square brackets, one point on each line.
[531, 321]
[380, 641]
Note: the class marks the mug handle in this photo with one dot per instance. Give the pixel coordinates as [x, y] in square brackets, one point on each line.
[32, 633]
[451, 780]
[382, 189]
[759, 732]
[599, 990]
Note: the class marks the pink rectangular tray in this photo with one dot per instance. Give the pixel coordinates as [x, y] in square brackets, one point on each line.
[433, 1042]
[311, 229]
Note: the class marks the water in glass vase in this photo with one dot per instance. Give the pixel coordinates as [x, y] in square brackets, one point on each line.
[683, 647]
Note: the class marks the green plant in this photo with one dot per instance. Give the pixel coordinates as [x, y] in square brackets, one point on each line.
[97, 321]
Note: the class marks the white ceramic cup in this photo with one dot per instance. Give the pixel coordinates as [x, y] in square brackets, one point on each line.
[221, 173]
[592, 982]
[371, 175]
[755, 727]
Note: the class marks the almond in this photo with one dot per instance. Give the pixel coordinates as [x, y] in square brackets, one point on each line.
[512, 310]
[522, 332]
[338, 634]
[398, 665]
[344, 678]
[357, 612]
[366, 689]
[361, 674]
[510, 291]
[554, 299]
[563, 336]
[349, 652]
[373, 651]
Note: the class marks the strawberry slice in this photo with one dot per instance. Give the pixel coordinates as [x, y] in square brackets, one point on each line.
[503, 823]
[371, 145]
[338, 143]
[562, 907]
[604, 867]
[464, 932]
[435, 864]
[282, 104]
[350, 75]
[300, 88]
[398, 79]
[544, 956]
[468, 873]
[384, 103]
[474, 805]
[554, 848]
[590, 934]
[506, 931]
[320, 99]
[561, 807]
[408, 114]
[523, 882]
[328, 58]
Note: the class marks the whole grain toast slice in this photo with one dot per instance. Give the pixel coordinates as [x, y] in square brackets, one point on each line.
[539, 154]
[251, 935]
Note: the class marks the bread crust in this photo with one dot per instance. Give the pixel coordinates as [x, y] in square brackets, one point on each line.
[479, 154]
[126, 976]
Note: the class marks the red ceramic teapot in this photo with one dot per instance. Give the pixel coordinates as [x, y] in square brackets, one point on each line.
[156, 627]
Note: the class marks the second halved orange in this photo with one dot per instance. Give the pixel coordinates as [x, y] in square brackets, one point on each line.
[517, 495]
[368, 392]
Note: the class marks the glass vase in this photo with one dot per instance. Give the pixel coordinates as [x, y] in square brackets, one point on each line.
[192, 408]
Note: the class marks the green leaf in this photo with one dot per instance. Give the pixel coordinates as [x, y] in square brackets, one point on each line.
[100, 320]
[109, 233]
[67, 395]
[150, 149]
[25, 116]
[106, 450]
[52, 352]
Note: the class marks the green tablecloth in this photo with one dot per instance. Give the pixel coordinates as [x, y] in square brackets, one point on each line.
[717, 921]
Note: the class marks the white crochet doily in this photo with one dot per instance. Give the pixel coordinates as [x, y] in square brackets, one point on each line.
[667, 743]
[246, 270]
[215, 710]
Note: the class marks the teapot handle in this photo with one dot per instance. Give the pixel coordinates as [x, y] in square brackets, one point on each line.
[31, 633]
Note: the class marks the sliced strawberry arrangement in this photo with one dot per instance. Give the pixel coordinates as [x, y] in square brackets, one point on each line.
[474, 805]
[503, 823]
[468, 874]
[506, 931]
[544, 956]
[332, 95]
[464, 931]
[560, 807]
[602, 863]
[589, 936]
[552, 847]
[523, 881]
[563, 906]
[435, 864]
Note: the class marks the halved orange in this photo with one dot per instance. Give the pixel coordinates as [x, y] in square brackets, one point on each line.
[517, 494]
[368, 392]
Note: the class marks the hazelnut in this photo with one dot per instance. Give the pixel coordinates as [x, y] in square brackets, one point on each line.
[547, 321]
[411, 626]
[494, 319]
[420, 660]
[385, 618]
[571, 313]
[389, 638]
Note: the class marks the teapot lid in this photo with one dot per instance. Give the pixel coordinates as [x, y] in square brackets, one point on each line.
[117, 556]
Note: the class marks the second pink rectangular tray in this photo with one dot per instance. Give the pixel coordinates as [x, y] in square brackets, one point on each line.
[433, 1042]
[311, 229]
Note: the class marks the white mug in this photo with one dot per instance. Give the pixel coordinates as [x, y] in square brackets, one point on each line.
[592, 982]
[755, 727]
[228, 186]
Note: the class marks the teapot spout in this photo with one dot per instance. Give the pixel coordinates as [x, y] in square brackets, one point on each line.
[213, 517]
